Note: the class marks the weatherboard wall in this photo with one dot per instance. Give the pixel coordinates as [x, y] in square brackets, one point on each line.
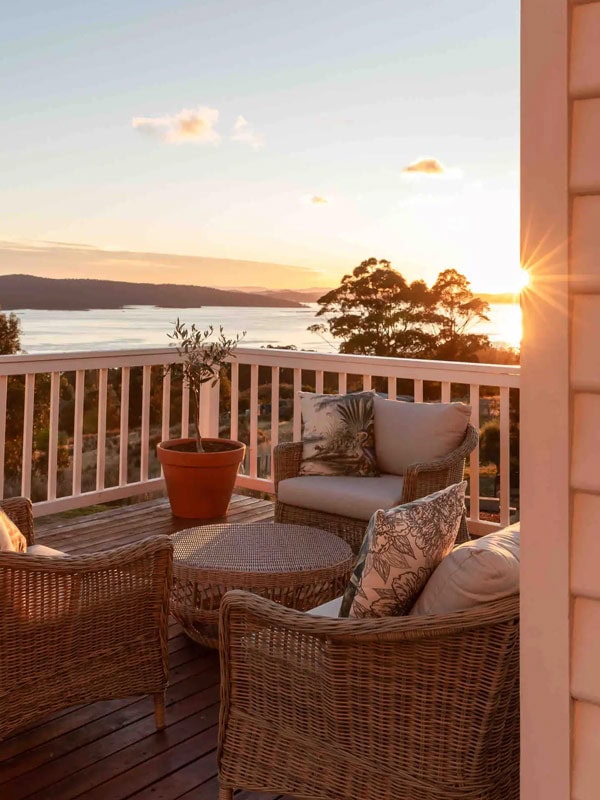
[561, 400]
[584, 185]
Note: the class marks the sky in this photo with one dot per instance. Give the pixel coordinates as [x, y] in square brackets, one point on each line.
[143, 139]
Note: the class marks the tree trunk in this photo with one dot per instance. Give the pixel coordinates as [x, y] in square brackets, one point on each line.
[196, 398]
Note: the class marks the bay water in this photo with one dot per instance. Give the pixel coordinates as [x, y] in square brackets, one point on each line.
[147, 326]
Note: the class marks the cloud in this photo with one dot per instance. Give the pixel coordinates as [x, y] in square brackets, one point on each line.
[189, 125]
[427, 166]
[244, 132]
[315, 200]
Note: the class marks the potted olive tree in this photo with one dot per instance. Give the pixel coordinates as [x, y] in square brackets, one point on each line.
[200, 472]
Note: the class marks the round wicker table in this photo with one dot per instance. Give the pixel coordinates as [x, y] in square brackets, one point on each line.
[294, 565]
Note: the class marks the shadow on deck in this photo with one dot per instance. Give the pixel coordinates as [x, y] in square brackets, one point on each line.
[110, 750]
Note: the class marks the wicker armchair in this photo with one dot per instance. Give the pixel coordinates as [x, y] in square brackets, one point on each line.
[81, 628]
[414, 708]
[419, 481]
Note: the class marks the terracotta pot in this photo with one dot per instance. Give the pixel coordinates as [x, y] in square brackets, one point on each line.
[200, 484]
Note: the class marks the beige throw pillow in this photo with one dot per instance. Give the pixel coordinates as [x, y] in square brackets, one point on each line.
[475, 572]
[339, 434]
[11, 538]
[416, 433]
[403, 547]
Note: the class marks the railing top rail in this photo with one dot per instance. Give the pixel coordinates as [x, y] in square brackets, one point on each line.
[85, 359]
[458, 372]
[470, 372]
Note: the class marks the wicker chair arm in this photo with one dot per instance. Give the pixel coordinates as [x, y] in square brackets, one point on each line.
[35, 585]
[287, 458]
[21, 513]
[237, 607]
[124, 557]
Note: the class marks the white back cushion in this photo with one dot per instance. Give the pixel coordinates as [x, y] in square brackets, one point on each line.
[475, 572]
[415, 433]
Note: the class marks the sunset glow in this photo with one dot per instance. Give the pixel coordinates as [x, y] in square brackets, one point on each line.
[307, 135]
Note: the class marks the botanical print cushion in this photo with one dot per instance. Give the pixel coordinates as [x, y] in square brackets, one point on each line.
[339, 434]
[11, 538]
[359, 566]
[405, 546]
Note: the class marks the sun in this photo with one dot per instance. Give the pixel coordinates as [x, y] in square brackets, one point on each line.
[521, 280]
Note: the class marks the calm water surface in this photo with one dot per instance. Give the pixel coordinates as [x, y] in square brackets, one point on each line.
[147, 326]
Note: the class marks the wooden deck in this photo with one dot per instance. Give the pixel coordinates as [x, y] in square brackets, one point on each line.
[110, 750]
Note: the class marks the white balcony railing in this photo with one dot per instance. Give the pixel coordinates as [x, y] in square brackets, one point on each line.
[80, 428]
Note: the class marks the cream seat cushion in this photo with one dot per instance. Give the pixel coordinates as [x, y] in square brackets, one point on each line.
[475, 572]
[343, 495]
[43, 550]
[330, 609]
[416, 433]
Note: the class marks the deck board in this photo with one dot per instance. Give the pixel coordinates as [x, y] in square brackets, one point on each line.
[110, 750]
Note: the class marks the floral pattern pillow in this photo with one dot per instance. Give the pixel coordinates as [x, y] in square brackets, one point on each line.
[401, 549]
[339, 434]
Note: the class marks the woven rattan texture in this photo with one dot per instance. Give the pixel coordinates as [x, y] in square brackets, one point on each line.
[295, 566]
[413, 708]
[257, 548]
[81, 628]
[419, 481]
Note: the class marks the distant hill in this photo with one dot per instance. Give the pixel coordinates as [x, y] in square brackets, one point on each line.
[297, 295]
[28, 291]
[313, 294]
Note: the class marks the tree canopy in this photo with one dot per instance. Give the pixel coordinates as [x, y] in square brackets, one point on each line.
[375, 311]
[10, 334]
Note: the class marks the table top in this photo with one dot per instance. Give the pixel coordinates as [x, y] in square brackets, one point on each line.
[259, 548]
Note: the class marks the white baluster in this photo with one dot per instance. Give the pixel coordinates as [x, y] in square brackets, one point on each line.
[185, 411]
[253, 449]
[274, 412]
[145, 426]
[392, 389]
[165, 431]
[3, 396]
[78, 431]
[297, 422]
[53, 435]
[319, 380]
[418, 390]
[235, 399]
[27, 435]
[124, 427]
[101, 445]
[504, 455]
[474, 457]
